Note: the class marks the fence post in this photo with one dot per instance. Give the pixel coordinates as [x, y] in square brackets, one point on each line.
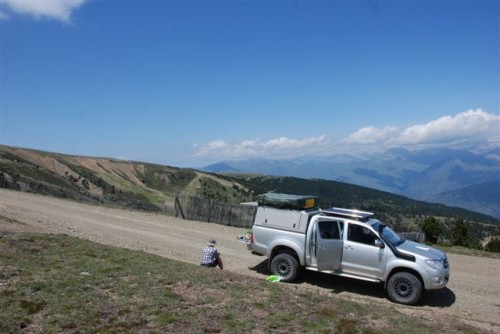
[210, 210]
[178, 204]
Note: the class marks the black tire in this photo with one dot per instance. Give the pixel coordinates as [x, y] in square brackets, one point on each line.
[404, 288]
[285, 266]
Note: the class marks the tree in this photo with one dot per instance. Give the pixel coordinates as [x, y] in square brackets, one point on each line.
[459, 233]
[3, 181]
[493, 245]
[432, 229]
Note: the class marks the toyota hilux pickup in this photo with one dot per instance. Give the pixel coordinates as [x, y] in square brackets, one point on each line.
[295, 234]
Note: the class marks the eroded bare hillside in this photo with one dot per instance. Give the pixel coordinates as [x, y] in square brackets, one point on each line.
[124, 183]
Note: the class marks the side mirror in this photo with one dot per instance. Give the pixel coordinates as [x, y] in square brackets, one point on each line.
[379, 243]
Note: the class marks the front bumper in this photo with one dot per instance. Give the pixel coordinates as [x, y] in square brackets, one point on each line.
[439, 281]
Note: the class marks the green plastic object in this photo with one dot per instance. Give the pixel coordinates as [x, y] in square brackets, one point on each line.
[273, 278]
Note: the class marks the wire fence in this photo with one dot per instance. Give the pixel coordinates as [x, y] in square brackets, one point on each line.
[194, 207]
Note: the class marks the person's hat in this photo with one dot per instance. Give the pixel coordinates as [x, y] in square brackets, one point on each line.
[211, 242]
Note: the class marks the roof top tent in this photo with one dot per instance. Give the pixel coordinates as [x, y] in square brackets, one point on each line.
[288, 201]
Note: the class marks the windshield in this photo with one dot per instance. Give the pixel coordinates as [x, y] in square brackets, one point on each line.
[389, 234]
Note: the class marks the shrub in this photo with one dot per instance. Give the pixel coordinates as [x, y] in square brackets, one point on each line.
[432, 229]
[459, 233]
[493, 245]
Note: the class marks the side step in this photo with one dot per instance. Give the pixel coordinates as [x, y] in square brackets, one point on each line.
[343, 274]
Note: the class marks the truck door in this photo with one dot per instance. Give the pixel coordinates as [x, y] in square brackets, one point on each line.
[361, 256]
[329, 244]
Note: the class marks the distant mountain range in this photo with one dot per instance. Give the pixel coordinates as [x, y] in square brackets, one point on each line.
[448, 176]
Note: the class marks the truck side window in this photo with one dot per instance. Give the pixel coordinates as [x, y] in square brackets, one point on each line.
[329, 230]
[361, 234]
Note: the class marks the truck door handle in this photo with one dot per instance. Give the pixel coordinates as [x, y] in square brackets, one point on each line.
[348, 247]
[321, 246]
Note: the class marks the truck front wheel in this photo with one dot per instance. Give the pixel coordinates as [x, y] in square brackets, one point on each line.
[285, 266]
[404, 288]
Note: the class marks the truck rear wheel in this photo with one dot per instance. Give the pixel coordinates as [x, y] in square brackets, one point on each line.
[404, 288]
[286, 266]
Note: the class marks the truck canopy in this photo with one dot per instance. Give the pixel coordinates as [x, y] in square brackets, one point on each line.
[288, 201]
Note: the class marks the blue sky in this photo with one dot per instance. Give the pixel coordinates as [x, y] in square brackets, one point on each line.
[188, 83]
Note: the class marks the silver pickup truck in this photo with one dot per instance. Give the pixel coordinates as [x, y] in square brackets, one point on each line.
[343, 242]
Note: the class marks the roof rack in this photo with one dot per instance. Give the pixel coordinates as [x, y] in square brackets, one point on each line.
[357, 214]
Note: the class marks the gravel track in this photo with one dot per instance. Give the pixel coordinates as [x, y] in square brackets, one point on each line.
[473, 293]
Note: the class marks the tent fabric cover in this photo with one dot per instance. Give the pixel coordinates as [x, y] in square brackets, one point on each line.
[288, 201]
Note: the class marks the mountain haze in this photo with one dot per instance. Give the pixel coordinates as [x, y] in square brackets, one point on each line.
[448, 176]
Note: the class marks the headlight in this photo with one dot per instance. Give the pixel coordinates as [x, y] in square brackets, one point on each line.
[435, 264]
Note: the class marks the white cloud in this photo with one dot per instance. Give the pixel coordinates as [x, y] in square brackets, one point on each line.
[216, 145]
[472, 126]
[52, 9]
[466, 129]
[475, 125]
[281, 147]
[370, 135]
[287, 143]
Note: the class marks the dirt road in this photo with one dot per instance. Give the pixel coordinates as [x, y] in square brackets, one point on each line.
[473, 294]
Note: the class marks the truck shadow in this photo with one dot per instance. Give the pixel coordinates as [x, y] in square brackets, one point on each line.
[338, 285]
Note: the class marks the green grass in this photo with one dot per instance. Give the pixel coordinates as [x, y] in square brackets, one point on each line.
[130, 188]
[62, 284]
